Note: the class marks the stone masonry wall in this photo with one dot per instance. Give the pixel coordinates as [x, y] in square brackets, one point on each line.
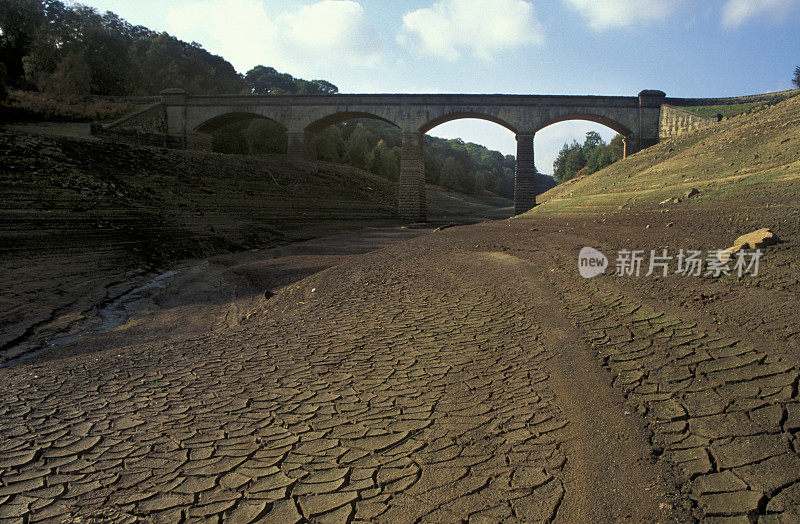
[145, 127]
[675, 121]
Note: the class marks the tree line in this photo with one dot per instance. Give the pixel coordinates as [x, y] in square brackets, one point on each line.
[375, 146]
[51, 47]
[584, 159]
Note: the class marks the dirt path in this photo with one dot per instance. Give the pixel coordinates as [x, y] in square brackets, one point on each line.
[469, 374]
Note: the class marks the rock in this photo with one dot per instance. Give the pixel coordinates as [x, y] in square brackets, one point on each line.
[726, 254]
[268, 294]
[753, 240]
[757, 239]
[692, 192]
[664, 202]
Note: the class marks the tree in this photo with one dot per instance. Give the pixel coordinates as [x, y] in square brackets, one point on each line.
[385, 162]
[358, 147]
[448, 177]
[568, 162]
[3, 91]
[796, 79]
[71, 77]
[578, 160]
[264, 80]
[330, 144]
[265, 136]
[592, 141]
[18, 22]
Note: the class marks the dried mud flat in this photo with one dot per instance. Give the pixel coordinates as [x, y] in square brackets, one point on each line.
[466, 375]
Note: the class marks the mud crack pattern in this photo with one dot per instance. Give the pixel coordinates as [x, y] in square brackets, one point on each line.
[725, 412]
[391, 401]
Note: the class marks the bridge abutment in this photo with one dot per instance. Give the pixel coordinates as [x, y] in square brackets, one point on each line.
[524, 175]
[411, 193]
[301, 149]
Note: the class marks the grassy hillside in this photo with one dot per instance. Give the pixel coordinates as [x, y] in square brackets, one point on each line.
[750, 162]
[747, 172]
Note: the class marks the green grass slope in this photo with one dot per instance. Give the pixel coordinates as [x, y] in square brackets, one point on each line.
[744, 165]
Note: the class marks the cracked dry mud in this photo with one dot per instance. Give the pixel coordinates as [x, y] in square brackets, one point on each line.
[452, 377]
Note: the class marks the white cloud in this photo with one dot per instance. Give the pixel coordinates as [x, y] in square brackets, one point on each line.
[611, 14]
[737, 12]
[309, 39]
[483, 27]
[333, 29]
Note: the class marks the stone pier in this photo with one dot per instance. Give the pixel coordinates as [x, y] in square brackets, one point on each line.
[524, 175]
[411, 193]
[301, 149]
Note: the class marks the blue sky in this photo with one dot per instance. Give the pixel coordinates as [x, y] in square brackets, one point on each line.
[687, 48]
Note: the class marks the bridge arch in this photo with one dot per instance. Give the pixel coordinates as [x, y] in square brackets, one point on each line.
[274, 140]
[342, 116]
[212, 124]
[460, 115]
[591, 117]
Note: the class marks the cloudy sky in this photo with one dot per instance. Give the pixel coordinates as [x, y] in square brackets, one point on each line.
[686, 48]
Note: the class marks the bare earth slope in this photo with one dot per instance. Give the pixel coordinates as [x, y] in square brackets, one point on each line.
[468, 374]
[84, 221]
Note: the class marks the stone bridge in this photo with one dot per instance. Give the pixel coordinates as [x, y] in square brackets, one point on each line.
[185, 121]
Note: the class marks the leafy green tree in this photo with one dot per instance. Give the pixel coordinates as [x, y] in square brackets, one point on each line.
[564, 166]
[449, 177]
[796, 79]
[265, 136]
[264, 80]
[36, 37]
[357, 147]
[587, 158]
[386, 161]
[592, 141]
[330, 144]
[71, 77]
[19, 20]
